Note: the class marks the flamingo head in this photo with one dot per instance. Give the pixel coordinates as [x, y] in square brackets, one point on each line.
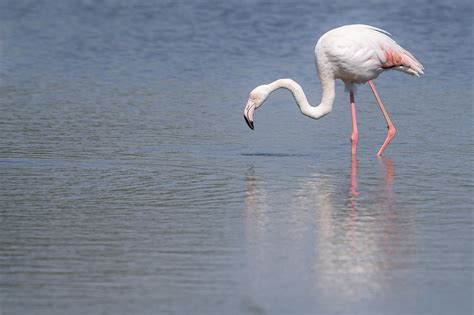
[256, 98]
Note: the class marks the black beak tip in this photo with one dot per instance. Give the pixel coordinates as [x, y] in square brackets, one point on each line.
[249, 122]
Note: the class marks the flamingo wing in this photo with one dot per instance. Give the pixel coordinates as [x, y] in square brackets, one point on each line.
[360, 52]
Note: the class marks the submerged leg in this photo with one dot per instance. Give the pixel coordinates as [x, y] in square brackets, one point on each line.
[355, 132]
[391, 128]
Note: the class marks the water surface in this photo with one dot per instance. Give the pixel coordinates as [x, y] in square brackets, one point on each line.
[130, 183]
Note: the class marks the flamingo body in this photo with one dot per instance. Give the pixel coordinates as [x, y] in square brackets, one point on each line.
[359, 53]
[354, 54]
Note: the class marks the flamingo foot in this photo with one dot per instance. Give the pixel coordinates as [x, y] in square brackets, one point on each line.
[391, 133]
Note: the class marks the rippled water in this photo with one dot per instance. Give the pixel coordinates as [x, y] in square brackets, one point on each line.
[130, 183]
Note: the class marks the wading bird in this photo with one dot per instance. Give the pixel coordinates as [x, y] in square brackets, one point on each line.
[354, 54]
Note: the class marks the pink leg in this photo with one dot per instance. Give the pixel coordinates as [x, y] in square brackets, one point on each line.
[391, 128]
[355, 132]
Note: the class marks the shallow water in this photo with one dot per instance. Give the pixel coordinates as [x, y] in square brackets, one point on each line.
[130, 183]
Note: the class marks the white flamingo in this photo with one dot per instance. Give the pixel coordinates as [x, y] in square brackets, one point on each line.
[355, 54]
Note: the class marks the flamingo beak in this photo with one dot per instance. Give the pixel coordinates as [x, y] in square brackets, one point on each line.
[248, 113]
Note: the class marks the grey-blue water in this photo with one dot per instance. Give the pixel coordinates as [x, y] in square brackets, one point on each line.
[130, 183]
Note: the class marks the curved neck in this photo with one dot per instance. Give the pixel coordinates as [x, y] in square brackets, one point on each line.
[315, 112]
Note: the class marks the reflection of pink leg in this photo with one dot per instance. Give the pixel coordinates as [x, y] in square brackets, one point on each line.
[353, 186]
[355, 133]
[389, 171]
[391, 128]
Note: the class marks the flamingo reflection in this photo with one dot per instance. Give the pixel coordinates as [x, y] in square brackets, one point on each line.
[353, 239]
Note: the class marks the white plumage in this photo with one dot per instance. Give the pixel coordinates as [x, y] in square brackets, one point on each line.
[354, 54]
[359, 53]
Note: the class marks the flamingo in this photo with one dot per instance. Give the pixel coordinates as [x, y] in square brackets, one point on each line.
[354, 54]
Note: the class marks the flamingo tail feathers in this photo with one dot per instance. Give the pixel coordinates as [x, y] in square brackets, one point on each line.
[403, 61]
